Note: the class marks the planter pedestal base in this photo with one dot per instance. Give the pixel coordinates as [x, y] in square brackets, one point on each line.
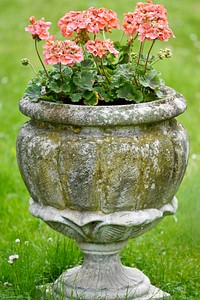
[102, 276]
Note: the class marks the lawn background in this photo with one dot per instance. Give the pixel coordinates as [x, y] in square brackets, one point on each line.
[170, 253]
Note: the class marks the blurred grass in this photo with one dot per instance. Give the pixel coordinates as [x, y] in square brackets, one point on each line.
[169, 254]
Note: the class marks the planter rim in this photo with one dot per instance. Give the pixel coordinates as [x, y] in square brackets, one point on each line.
[172, 105]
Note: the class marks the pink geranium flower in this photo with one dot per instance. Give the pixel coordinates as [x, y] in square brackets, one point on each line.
[156, 31]
[93, 20]
[149, 21]
[101, 19]
[65, 52]
[38, 28]
[73, 21]
[130, 26]
[101, 48]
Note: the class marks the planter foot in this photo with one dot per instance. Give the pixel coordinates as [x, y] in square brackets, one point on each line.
[103, 277]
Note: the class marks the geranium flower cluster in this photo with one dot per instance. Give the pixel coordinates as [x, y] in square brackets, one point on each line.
[38, 28]
[100, 48]
[64, 52]
[93, 20]
[149, 21]
[89, 66]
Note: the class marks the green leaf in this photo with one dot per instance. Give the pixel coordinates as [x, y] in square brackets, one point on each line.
[33, 92]
[124, 74]
[56, 76]
[124, 50]
[87, 63]
[88, 94]
[151, 79]
[159, 93]
[67, 71]
[76, 97]
[93, 100]
[128, 92]
[84, 79]
[65, 75]
[54, 86]
[102, 94]
[50, 97]
[66, 88]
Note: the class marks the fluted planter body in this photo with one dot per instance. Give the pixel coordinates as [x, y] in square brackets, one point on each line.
[103, 174]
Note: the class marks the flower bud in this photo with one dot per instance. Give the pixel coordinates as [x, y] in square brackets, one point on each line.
[165, 53]
[134, 55]
[25, 61]
[168, 53]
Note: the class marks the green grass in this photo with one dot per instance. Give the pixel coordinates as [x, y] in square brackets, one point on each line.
[168, 254]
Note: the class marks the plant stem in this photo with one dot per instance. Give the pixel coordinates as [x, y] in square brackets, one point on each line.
[121, 37]
[129, 55]
[155, 61]
[101, 69]
[61, 77]
[104, 72]
[38, 54]
[140, 52]
[30, 64]
[104, 37]
[131, 45]
[135, 80]
[147, 59]
[96, 63]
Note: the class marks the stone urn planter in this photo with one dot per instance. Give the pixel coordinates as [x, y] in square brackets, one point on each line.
[102, 175]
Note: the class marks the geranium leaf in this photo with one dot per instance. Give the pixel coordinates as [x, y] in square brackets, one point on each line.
[54, 87]
[66, 88]
[84, 79]
[93, 100]
[76, 97]
[67, 71]
[151, 79]
[33, 92]
[128, 92]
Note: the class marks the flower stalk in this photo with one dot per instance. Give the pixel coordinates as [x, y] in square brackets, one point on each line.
[140, 52]
[148, 55]
[26, 62]
[104, 72]
[40, 59]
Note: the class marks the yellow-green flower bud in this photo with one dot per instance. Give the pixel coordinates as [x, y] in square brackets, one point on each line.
[165, 53]
[134, 55]
[168, 53]
[25, 61]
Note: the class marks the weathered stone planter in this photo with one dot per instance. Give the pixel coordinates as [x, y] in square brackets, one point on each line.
[103, 175]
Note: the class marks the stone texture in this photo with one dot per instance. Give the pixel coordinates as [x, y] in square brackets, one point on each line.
[97, 227]
[103, 175]
[107, 167]
[102, 276]
[134, 114]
